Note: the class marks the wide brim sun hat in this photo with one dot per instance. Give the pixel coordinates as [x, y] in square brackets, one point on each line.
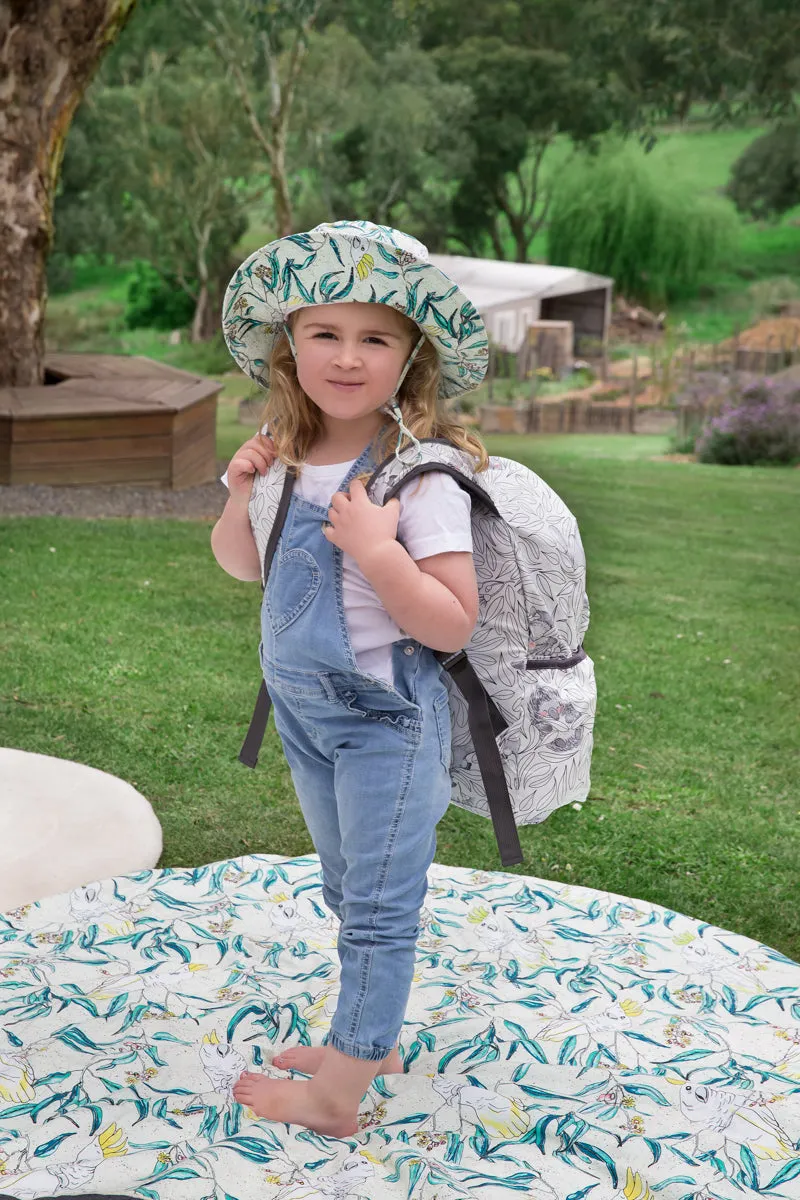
[352, 261]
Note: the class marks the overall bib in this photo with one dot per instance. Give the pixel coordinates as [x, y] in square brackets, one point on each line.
[370, 765]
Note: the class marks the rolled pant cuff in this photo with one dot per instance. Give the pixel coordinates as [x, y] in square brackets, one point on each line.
[354, 1050]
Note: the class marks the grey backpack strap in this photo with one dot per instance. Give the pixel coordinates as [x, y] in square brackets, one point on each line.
[258, 722]
[485, 722]
[483, 716]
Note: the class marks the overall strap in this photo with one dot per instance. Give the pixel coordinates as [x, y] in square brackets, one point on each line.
[258, 722]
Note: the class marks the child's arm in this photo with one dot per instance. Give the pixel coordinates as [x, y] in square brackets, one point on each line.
[232, 539]
[435, 600]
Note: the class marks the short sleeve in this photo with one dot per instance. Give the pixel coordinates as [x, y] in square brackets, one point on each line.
[435, 516]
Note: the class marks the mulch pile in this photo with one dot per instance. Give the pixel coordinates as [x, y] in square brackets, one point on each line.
[771, 333]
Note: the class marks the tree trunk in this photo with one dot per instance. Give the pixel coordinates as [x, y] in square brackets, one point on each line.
[49, 50]
[497, 241]
[521, 238]
[280, 187]
[200, 318]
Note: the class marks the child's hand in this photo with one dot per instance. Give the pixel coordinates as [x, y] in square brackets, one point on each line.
[357, 526]
[257, 454]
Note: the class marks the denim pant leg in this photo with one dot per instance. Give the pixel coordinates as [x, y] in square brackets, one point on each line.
[390, 795]
[314, 785]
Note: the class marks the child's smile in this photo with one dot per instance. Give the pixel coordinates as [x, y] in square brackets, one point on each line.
[350, 356]
[346, 385]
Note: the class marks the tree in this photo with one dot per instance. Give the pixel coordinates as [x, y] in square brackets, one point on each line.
[396, 162]
[524, 99]
[85, 220]
[765, 180]
[264, 47]
[175, 167]
[156, 26]
[740, 59]
[654, 239]
[49, 51]
[659, 56]
[581, 67]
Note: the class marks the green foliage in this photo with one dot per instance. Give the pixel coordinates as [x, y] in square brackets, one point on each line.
[167, 184]
[765, 180]
[685, 444]
[453, 121]
[158, 30]
[525, 97]
[86, 213]
[392, 162]
[60, 275]
[654, 241]
[92, 322]
[662, 58]
[156, 302]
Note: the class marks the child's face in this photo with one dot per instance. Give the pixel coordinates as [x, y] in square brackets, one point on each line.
[350, 356]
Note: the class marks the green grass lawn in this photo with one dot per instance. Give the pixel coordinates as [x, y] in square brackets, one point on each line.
[124, 646]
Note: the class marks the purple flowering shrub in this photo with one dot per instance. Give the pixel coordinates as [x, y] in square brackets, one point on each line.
[762, 425]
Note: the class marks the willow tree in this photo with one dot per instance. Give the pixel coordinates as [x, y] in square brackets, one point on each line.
[49, 50]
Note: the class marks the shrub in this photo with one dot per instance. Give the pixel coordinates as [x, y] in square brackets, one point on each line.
[707, 390]
[610, 217]
[156, 301]
[772, 295]
[763, 427]
[686, 443]
[765, 180]
[205, 358]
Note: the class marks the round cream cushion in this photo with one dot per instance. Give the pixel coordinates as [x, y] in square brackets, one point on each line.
[63, 824]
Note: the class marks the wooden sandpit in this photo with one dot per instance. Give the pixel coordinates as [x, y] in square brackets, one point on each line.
[102, 418]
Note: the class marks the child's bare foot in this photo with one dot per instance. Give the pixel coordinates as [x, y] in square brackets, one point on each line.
[308, 1060]
[296, 1103]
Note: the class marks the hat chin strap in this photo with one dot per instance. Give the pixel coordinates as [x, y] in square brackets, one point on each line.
[391, 407]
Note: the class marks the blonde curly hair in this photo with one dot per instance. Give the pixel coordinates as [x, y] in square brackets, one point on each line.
[295, 423]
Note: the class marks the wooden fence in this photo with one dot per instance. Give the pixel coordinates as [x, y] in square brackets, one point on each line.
[666, 364]
[564, 416]
[690, 383]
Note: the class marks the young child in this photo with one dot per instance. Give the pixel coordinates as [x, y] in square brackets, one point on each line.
[361, 339]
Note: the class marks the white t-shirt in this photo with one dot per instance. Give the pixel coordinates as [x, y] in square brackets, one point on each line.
[434, 518]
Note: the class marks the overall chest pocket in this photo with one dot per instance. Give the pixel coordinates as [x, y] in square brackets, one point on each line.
[293, 583]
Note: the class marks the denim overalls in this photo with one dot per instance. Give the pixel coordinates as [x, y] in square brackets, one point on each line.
[370, 765]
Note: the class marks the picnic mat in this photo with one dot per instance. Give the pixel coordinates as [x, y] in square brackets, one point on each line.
[560, 1043]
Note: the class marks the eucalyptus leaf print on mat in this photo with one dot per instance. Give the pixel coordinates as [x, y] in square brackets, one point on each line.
[560, 1043]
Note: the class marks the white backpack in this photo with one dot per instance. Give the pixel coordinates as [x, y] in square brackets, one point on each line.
[522, 692]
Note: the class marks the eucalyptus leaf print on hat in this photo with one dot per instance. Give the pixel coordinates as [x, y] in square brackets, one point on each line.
[352, 261]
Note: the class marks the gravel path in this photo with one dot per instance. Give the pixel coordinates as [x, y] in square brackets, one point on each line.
[203, 503]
